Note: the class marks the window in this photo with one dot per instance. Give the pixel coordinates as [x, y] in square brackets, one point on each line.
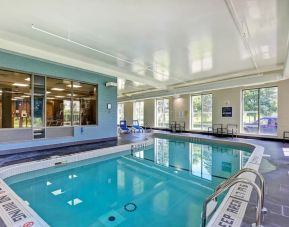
[260, 111]
[58, 102]
[138, 112]
[162, 113]
[70, 103]
[120, 112]
[201, 112]
[84, 104]
[15, 100]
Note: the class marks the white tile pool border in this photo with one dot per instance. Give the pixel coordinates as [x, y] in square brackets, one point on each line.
[233, 207]
[221, 216]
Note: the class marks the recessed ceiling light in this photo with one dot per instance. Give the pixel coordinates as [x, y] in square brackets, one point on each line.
[57, 89]
[74, 85]
[71, 95]
[20, 85]
[27, 79]
[59, 96]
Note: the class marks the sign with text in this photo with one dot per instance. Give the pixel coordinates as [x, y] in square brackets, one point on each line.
[227, 111]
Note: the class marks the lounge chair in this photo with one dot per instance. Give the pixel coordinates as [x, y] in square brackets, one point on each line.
[216, 129]
[285, 136]
[231, 130]
[136, 126]
[173, 126]
[180, 127]
[123, 127]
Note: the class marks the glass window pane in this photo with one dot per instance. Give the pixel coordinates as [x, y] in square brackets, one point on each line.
[15, 100]
[250, 111]
[206, 111]
[268, 110]
[84, 104]
[197, 112]
[162, 113]
[59, 102]
[39, 107]
[120, 112]
[138, 112]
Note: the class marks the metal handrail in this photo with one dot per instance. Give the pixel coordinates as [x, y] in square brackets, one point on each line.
[225, 188]
[262, 184]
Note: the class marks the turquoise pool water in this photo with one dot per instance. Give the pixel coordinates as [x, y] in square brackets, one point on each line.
[164, 185]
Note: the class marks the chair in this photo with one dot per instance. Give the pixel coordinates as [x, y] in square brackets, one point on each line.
[180, 127]
[147, 127]
[173, 126]
[215, 129]
[136, 126]
[123, 127]
[285, 136]
[231, 130]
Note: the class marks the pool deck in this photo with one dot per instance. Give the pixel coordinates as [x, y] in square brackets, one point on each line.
[274, 167]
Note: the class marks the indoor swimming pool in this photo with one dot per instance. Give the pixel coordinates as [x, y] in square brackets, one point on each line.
[163, 184]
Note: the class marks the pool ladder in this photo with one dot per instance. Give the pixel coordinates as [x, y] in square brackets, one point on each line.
[231, 182]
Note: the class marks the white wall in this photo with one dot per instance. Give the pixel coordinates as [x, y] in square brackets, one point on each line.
[180, 107]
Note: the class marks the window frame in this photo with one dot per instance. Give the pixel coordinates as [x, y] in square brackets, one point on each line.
[163, 112]
[118, 119]
[138, 113]
[32, 74]
[258, 109]
[192, 112]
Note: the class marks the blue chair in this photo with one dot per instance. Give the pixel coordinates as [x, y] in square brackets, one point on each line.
[136, 126]
[123, 127]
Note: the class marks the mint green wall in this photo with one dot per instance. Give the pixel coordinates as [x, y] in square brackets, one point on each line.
[106, 118]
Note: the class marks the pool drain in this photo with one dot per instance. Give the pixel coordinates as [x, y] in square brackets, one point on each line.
[111, 218]
[130, 207]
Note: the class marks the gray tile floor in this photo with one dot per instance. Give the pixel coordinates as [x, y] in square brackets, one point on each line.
[274, 168]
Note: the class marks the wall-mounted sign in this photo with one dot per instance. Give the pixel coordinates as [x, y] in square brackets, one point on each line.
[227, 111]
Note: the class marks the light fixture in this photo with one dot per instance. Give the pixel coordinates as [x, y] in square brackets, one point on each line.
[74, 86]
[111, 84]
[48, 92]
[20, 85]
[17, 99]
[25, 96]
[50, 98]
[71, 95]
[57, 89]
[27, 79]
[59, 96]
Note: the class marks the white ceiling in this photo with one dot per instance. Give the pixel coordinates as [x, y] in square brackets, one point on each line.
[152, 44]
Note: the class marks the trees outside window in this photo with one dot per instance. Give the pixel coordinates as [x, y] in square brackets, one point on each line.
[138, 112]
[120, 112]
[162, 113]
[260, 111]
[201, 112]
